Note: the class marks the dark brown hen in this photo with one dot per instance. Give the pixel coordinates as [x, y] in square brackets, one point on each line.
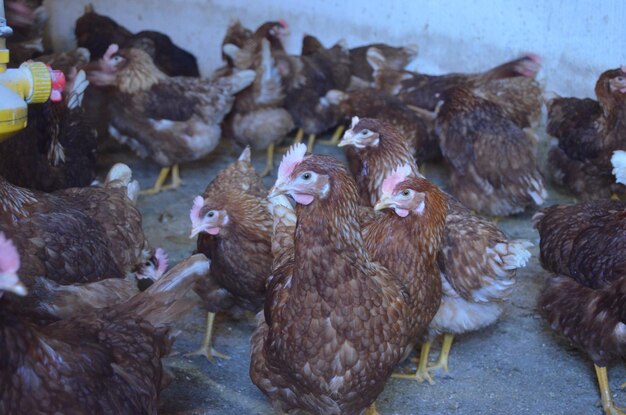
[233, 227]
[511, 85]
[585, 301]
[96, 32]
[58, 148]
[395, 58]
[493, 161]
[76, 235]
[374, 103]
[335, 323]
[587, 132]
[100, 363]
[477, 261]
[416, 214]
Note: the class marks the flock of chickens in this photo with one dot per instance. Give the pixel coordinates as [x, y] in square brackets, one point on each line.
[349, 267]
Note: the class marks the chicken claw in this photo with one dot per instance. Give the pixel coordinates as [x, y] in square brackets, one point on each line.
[207, 349]
[310, 143]
[622, 386]
[158, 185]
[372, 410]
[442, 361]
[605, 392]
[422, 372]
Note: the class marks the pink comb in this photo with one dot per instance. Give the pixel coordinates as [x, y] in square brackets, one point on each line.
[398, 176]
[294, 156]
[533, 57]
[283, 23]
[194, 214]
[162, 260]
[624, 68]
[111, 50]
[9, 257]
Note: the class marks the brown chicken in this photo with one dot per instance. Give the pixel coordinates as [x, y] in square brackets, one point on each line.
[477, 261]
[101, 362]
[27, 18]
[587, 132]
[242, 49]
[335, 323]
[493, 161]
[76, 235]
[416, 214]
[234, 232]
[96, 32]
[170, 120]
[585, 301]
[374, 103]
[511, 85]
[307, 79]
[395, 58]
[50, 299]
[58, 148]
[258, 118]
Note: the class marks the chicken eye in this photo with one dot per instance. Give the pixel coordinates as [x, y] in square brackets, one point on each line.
[405, 193]
[210, 214]
[306, 176]
[365, 132]
[620, 78]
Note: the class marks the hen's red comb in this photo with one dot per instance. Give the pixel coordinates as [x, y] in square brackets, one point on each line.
[398, 176]
[283, 23]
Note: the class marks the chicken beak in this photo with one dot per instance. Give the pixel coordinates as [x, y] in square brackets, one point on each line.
[384, 204]
[277, 190]
[347, 139]
[195, 231]
[13, 284]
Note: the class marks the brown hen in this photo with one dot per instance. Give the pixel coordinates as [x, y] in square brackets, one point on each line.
[335, 323]
[76, 235]
[233, 228]
[511, 85]
[585, 301]
[493, 161]
[169, 119]
[100, 362]
[587, 132]
[477, 261]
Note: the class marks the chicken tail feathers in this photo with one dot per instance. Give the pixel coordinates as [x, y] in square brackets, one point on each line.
[618, 161]
[240, 80]
[121, 176]
[163, 302]
[517, 254]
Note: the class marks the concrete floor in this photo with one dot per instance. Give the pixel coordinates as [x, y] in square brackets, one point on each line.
[517, 366]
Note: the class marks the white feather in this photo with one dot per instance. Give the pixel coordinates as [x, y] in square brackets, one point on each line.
[618, 160]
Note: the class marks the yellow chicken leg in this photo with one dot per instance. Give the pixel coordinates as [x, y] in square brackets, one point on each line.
[335, 138]
[372, 410]
[442, 361]
[207, 349]
[299, 136]
[622, 386]
[422, 372]
[269, 164]
[605, 392]
[158, 185]
[310, 143]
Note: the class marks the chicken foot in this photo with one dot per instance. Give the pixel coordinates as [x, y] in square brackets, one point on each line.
[334, 140]
[622, 386]
[442, 360]
[207, 349]
[605, 392]
[300, 136]
[422, 372]
[158, 185]
[269, 164]
[372, 410]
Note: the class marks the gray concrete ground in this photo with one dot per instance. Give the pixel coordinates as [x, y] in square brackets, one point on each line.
[517, 366]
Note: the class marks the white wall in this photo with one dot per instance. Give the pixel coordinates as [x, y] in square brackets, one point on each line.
[578, 39]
